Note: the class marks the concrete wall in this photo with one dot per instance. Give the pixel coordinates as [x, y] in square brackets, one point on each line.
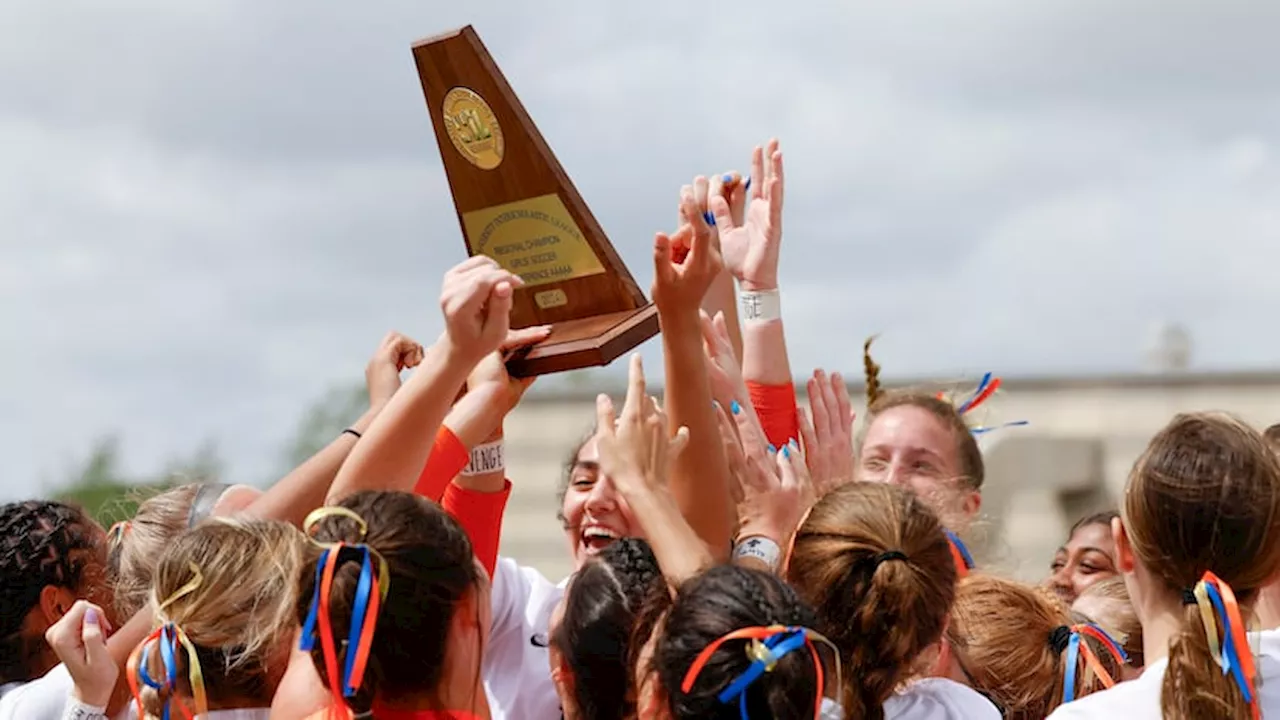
[1084, 435]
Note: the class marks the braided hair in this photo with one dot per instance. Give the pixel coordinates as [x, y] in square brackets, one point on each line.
[42, 543]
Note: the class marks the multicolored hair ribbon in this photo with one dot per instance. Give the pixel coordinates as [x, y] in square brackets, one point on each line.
[987, 387]
[1217, 604]
[960, 554]
[1077, 648]
[169, 637]
[767, 645]
[982, 430]
[371, 591]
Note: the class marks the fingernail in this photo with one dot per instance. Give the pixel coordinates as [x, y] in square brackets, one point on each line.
[748, 185]
[711, 219]
[772, 449]
[792, 442]
[734, 407]
[715, 404]
[91, 616]
[728, 178]
[786, 451]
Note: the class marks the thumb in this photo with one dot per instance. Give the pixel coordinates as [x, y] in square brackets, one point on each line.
[95, 644]
[498, 315]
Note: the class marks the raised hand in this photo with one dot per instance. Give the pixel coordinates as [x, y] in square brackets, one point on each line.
[636, 448]
[685, 263]
[490, 377]
[395, 353]
[751, 246]
[828, 439]
[79, 641]
[775, 489]
[476, 302]
[729, 186]
[723, 368]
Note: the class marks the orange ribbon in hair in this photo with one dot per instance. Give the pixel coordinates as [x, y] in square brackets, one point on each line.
[767, 645]
[168, 638]
[1217, 604]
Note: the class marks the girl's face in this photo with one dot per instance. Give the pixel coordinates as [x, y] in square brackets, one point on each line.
[595, 514]
[1087, 557]
[909, 446]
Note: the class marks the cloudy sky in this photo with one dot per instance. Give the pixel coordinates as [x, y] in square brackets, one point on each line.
[211, 210]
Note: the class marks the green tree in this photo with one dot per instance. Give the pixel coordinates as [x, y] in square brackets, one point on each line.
[101, 487]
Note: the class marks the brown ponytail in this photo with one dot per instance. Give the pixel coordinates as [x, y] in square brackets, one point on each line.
[873, 561]
[872, 369]
[1204, 496]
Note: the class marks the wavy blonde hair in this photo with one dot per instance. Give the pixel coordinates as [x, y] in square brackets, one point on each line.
[240, 617]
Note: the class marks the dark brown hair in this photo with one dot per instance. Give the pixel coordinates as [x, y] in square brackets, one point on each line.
[875, 564]
[721, 600]
[879, 400]
[431, 568]
[1002, 633]
[42, 544]
[1204, 496]
[595, 638]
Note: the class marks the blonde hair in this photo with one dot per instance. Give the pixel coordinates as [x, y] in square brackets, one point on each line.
[1204, 496]
[133, 552]
[239, 616]
[1106, 604]
[1002, 633]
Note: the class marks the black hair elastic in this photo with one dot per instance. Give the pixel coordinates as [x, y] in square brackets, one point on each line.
[888, 555]
[1059, 638]
[1189, 597]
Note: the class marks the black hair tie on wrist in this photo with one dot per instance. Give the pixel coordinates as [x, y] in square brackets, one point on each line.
[1189, 597]
[888, 555]
[1060, 638]
[351, 432]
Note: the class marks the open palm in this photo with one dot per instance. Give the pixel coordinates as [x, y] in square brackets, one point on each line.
[751, 250]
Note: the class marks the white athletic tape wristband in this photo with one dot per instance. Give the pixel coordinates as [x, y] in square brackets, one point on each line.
[77, 710]
[760, 548]
[487, 458]
[760, 306]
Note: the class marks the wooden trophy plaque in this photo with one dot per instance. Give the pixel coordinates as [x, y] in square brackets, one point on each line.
[518, 206]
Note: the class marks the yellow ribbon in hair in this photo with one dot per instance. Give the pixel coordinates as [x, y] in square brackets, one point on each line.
[384, 575]
[1210, 620]
[191, 586]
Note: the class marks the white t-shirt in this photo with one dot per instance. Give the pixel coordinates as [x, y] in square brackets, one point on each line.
[517, 668]
[939, 699]
[1139, 699]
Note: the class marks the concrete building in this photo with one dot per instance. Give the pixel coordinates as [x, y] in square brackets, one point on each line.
[1084, 434]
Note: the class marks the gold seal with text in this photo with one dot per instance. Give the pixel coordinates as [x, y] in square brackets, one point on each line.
[473, 128]
[536, 239]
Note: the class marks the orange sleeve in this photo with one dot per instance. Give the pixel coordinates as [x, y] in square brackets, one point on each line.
[776, 406]
[448, 457]
[480, 514]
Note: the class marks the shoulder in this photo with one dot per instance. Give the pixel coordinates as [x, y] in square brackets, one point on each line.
[42, 698]
[1133, 700]
[939, 699]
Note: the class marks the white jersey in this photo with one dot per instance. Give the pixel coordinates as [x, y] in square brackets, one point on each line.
[1139, 699]
[517, 666]
[939, 699]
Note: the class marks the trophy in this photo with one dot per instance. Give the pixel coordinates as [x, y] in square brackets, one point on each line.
[517, 205]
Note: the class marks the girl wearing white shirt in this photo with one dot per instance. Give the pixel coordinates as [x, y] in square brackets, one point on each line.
[1198, 537]
[874, 562]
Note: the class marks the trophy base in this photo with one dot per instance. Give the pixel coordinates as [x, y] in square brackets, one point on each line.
[588, 342]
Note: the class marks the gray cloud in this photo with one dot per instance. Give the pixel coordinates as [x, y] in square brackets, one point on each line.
[210, 212]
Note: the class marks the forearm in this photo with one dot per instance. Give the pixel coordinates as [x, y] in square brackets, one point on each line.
[680, 552]
[392, 453]
[767, 373]
[722, 297]
[121, 645]
[700, 481]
